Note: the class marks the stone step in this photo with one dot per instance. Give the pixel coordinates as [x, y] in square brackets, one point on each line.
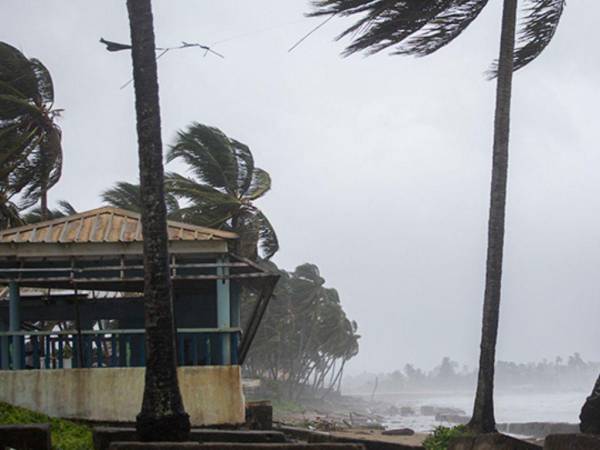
[103, 436]
[228, 446]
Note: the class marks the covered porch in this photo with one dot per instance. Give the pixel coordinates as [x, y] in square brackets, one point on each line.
[73, 296]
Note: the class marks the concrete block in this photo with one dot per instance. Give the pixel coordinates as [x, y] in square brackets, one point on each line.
[25, 437]
[492, 441]
[103, 436]
[259, 415]
[572, 442]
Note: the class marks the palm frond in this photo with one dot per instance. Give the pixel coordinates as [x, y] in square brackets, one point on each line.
[209, 155]
[199, 193]
[268, 244]
[123, 195]
[444, 28]
[245, 167]
[404, 25]
[66, 208]
[261, 184]
[537, 30]
[128, 196]
[17, 72]
[9, 215]
[45, 87]
[212, 215]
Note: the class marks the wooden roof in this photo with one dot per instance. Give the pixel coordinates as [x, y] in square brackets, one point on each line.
[106, 224]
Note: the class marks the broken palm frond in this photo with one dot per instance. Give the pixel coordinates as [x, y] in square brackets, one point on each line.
[116, 47]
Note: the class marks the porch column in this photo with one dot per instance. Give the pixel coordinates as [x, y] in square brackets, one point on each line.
[4, 359]
[224, 311]
[14, 324]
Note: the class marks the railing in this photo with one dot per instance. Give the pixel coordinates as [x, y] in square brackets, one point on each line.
[112, 348]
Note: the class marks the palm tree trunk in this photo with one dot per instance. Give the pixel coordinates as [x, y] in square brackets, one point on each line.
[44, 204]
[162, 417]
[483, 411]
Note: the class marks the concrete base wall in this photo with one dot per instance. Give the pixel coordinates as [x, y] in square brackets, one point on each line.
[212, 395]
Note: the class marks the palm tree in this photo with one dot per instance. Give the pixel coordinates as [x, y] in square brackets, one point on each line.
[31, 158]
[36, 215]
[127, 196]
[223, 188]
[162, 417]
[421, 27]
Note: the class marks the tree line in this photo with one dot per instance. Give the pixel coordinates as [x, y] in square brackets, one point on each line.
[559, 375]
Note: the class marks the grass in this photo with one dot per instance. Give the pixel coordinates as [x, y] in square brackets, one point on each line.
[66, 435]
[441, 437]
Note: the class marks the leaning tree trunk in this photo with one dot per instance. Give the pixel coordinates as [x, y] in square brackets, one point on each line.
[483, 411]
[162, 417]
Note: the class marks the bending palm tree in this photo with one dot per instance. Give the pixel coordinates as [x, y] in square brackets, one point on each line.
[162, 417]
[30, 141]
[421, 27]
[224, 187]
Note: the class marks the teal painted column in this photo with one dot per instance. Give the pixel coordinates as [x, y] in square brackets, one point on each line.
[4, 359]
[235, 304]
[14, 324]
[224, 311]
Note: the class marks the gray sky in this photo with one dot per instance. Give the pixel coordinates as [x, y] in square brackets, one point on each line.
[380, 165]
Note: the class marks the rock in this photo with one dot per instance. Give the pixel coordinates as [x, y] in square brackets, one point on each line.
[399, 432]
[492, 441]
[392, 411]
[590, 413]
[407, 411]
[36, 437]
[457, 419]
[572, 442]
[435, 410]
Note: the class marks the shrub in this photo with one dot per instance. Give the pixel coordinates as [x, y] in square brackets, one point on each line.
[441, 437]
[66, 435]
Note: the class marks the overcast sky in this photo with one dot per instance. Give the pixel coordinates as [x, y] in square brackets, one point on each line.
[380, 165]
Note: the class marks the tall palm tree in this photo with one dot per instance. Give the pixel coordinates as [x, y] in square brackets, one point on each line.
[223, 187]
[162, 417]
[421, 27]
[31, 157]
[127, 196]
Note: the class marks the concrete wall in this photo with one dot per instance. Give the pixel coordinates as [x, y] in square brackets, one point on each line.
[211, 394]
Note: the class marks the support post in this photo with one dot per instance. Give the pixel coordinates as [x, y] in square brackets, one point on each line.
[14, 324]
[224, 311]
[4, 347]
